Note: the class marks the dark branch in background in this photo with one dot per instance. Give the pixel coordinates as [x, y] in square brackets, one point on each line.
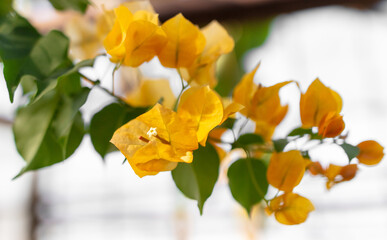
[203, 11]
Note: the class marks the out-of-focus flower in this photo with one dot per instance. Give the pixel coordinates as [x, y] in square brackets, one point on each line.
[286, 170]
[290, 208]
[317, 102]
[204, 107]
[185, 43]
[218, 42]
[135, 37]
[262, 104]
[336, 174]
[331, 125]
[371, 152]
[156, 141]
[149, 92]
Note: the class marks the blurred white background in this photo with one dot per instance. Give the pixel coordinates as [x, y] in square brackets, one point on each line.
[85, 198]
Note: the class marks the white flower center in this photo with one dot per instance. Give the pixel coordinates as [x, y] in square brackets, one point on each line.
[152, 132]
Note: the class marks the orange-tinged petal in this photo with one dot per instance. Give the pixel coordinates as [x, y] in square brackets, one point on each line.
[315, 168]
[331, 125]
[244, 91]
[265, 130]
[204, 107]
[150, 92]
[337, 174]
[290, 208]
[316, 102]
[185, 43]
[286, 170]
[371, 152]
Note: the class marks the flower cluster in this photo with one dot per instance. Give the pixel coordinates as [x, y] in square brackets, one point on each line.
[180, 130]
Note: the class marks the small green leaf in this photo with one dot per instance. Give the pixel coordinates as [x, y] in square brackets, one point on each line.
[75, 136]
[106, 122]
[229, 123]
[300, 132]
[248, 139]
[350, 150]
[247, 181]
[17, 38]
[77, 5]
[280, 144]
[197, 179]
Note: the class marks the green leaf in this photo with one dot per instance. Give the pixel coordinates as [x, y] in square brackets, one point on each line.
[17, 38]
[280, 144]
[77, 5]
[300, 132]
[350, 150]
[197, 179]
[106, 122]
[5, 7]
[247, 181]
[75, 136]
[32, 123]
[248, 139]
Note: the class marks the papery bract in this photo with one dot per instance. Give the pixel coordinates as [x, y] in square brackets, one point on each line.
[331, 125]
[204, 107]
[290, 208]
[218, 42]
[336, 174]
[286, 170]
[152, 142]
[185, 43]
[371, 152]
[150, 92]
[316, 102]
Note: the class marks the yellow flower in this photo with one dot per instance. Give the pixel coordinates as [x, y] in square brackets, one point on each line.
[204, 107]
[262, 104]
[156, 141]
[316, 102]
[331, 125]
[185, 43]
[371, 152]
[135, 38]
[290, 208]
[286, 170]
[218, 42]
[150, 92]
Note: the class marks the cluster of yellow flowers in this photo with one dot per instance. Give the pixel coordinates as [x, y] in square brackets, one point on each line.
[164, 136]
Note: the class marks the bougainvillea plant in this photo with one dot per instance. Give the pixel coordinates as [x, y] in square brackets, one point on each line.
[157, 131]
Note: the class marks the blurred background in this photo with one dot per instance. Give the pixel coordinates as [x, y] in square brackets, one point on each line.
[342, 42]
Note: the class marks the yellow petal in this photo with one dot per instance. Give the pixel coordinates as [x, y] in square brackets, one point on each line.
[371, 152]
[146, 16]
[286, 170]
[244, 91]
[218, 42]
[336, 174]
[230, 109]
[135, 6]
[114, 41]
[331, 125]
[144, 41]
[290, 208]
[266, 104]
[201, 74]
[185, 43]
[204, 107]
[170, 127]
[150, 92]
[316, 102]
